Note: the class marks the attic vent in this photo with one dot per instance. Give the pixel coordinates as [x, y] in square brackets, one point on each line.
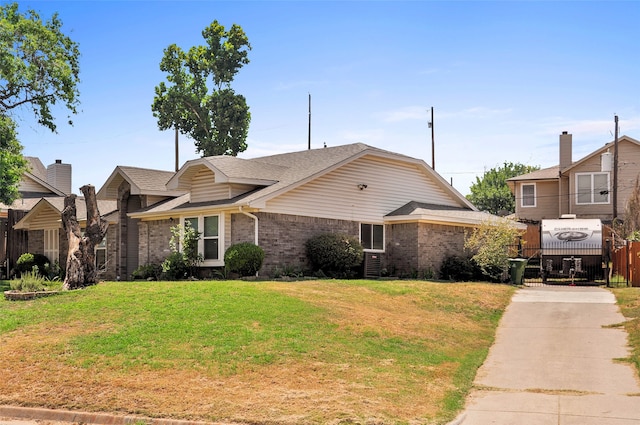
[372, 264]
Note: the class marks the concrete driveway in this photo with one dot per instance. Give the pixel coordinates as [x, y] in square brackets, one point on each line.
[553, 363]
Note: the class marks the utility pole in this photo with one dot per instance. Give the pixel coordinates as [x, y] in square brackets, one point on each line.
[433, 143]
[177, 162]
[615, 170]
[309, 121]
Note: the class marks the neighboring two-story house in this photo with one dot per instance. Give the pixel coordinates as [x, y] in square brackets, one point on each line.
[584, 188]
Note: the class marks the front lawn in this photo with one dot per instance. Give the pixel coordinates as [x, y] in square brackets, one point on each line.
[320, 352]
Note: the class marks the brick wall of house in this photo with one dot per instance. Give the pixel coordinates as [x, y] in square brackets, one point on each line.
[283, 236]
[36, 242]
[242, 229]
[401, 251]
[421, 248]
[153, 242]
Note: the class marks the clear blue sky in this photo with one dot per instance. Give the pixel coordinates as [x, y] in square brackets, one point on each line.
[505, 79]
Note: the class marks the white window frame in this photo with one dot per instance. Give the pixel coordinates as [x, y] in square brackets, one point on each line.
[592, 200]
[52, 244]
[523, 197]
[102, 246]
[373, 226]
[220, 237]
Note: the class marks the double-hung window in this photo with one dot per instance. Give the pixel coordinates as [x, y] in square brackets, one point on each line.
[209, 245]
[528, 195]
[592, 188]
[372, 236]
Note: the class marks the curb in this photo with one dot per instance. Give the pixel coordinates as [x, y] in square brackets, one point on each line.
[459, 420]
[57, 415]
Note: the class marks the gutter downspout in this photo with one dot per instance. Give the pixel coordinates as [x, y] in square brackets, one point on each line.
[255, 221]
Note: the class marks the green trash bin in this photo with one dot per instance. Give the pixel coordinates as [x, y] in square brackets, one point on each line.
[516, 268]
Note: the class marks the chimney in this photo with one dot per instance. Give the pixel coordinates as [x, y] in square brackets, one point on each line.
[59, 176]
[565, 150]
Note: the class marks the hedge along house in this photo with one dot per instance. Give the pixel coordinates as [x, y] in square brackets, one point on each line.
[407, 217]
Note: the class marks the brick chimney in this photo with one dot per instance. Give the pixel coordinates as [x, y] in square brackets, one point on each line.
[565, 150]
[59, 176]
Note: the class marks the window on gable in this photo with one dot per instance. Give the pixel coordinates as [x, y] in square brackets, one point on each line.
[528, 195]
[592, 188]
[372, 236]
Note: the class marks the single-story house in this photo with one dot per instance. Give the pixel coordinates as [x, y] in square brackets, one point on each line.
[408, 218]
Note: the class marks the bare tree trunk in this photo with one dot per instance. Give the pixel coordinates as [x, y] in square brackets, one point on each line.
[81, 268]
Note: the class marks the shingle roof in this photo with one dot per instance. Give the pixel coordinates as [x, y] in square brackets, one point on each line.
[57, 203]
[550, 173]
[145, 178]
[444, 214]
[281, 172]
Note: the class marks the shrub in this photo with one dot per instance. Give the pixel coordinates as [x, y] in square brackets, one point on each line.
[244, 258]
[27, 261]
[29, 281]
[174, 267]
[334, 254]
[147, 272]
[459, 269]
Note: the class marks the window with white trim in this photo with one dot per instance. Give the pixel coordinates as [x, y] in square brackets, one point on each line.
[528, 195]
[372, 236]
[592, 188]
[52, 245]
[101, 255]
[209, 244]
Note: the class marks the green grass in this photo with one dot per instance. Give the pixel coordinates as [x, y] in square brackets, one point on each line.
[229, 330]
[629, 302]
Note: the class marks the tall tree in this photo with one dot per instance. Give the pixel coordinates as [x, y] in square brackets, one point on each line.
[12, 163]
[38, 69]
[217, 119]
[491, 192]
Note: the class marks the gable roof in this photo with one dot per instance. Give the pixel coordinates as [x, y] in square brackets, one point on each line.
[607, 146]
[143, 181]
[37, 173]
[56, 205]
[553, 173]
[277, 174]
[442, 214]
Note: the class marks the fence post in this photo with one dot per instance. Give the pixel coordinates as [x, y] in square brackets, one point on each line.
[607, 259]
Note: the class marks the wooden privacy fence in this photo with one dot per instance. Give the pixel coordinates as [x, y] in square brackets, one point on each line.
[626, 262]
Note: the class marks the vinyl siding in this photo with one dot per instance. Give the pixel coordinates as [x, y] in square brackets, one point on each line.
[628, 169]
[46, 219]
[546, 201]
[204, 188]
[390, 185]
[28, 185]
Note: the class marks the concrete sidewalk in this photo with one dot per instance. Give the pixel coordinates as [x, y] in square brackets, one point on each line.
[553, 363]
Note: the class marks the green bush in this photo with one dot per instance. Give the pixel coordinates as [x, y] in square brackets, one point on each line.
[334, 254]
[147, 272]
[29, 281]
[175, 267]
[27, 261]
[244, 258]
[458, 269]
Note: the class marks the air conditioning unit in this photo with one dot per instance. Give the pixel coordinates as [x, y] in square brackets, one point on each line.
[372, 264]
